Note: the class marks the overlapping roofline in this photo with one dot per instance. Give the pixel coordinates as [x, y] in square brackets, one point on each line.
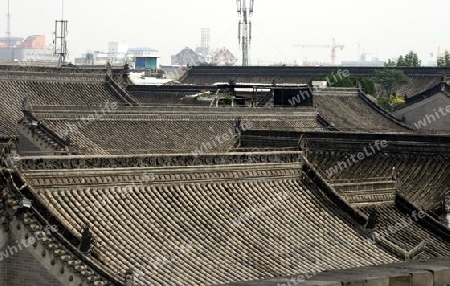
[68, 69]
[191, 110]
[441, 87]
[44, 216]
[130, 161]
[347, 141]
[382, 111]
[310, 71]
[353, 216]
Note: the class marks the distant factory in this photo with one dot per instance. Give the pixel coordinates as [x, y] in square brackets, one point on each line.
[31, 49]
[142, 58]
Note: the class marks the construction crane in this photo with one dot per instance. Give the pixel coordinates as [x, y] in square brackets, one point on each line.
[333, 49]
[245, 27]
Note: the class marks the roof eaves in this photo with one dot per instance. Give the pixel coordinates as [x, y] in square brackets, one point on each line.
[422, 96]
[64, 235]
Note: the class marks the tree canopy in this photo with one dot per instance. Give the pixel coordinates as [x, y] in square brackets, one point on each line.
[389, 77]
[347, 81]
[411, 59]
[444, 61]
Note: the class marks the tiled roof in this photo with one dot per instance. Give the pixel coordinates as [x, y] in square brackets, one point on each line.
[52, 248]
[412, 233]
[4, 140]
[242, 78]
[264, 75]
[422, 77]
[235, 217]
[416, 85]
[423, 179]
[421, 160]
[166, 97]
[347, 110]
[52, 88]
[213, 218]
[440, 88]
[165, 130]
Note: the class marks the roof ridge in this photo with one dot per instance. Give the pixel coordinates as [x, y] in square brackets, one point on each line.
[30, 120]
[155, 160]
[66, 238]
[428, 221]
[202, 110]
[120, 92]
[54, 77]
[352, 214]
[423, 95]
[334, 196]
[381, 111]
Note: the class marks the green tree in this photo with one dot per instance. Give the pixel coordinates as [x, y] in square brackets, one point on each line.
[389, 77]
[390, 63]
[391, 102]
[367, 85]
[444, 61]
[411, 59]
[401, 62]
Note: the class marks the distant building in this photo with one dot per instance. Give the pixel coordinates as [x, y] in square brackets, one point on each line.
[6, 54]
[221, 57]
[94, 58]
[307, 63]
[117, 48]
[366, 60]
[186, 56]
[14, 41]
[32, 49]
[33, 42]
[144, 58]
[119, 53]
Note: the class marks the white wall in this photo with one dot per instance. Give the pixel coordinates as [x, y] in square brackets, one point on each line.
[429, 106]
[117, 48]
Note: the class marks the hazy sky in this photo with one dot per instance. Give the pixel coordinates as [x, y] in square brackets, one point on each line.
[383, 28]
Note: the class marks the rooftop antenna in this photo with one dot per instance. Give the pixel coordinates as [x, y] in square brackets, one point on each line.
[8, 31]
[245, 28]
[61, 38]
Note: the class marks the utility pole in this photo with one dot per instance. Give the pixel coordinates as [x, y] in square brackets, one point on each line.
[245, 28]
